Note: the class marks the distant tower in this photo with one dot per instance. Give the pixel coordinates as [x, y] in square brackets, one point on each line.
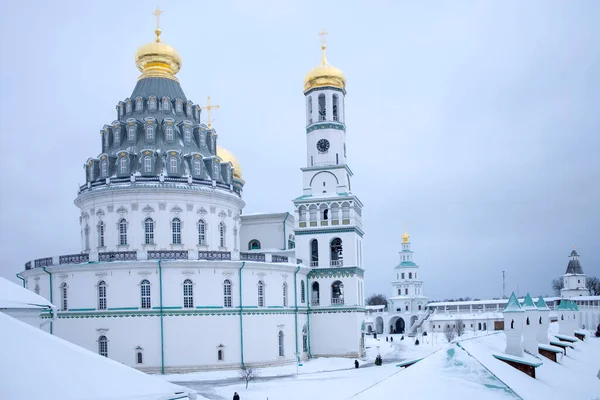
[408, 288]
[574, 278]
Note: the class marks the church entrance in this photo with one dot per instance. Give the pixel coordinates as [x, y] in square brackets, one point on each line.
[397, 325]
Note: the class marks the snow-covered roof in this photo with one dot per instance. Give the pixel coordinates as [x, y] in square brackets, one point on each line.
[378, 307]
[418, 297]
[53, 368]
[513, 304]
[15, 296]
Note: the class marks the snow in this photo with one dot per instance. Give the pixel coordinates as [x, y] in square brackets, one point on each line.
[467, 369]
[466, 317]
[567, 338]
[38, 365]
[15, 296]
[513, 304]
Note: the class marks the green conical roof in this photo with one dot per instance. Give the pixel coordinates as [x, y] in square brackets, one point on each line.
[541, 304]
[513, 304]
[564, 305]
[528, 303]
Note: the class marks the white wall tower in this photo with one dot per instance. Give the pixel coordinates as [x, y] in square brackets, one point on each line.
[574, 278]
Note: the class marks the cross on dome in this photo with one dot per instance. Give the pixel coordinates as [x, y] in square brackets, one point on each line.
[157, 13]
[209, 107]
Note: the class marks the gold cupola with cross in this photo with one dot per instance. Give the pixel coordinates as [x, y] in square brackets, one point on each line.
[158, 59]
[324, 74]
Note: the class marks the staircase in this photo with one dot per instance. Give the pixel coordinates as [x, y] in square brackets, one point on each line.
[412, 332]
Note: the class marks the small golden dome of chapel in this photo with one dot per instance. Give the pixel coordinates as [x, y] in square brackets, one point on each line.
[227, 156]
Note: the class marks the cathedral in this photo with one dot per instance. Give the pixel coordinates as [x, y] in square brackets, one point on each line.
[172, 276]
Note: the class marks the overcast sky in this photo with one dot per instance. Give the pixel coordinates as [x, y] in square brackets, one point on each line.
[476, 123]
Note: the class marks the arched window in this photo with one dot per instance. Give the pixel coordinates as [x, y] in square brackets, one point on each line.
[152, 104]
[178, 107]
[123, 232]
[102, 295]
[335, 108]
[145, 294]
[336, 252]
[123, 165]
[221, 234]
[539, 322]
[281, 348]
[37, 291]
[176, 230]
[103, 346]
[63, 297]
[149, 231]
[406, 291]
[227, 294]
[291, 242]
[202, 139]
[188, 294]
[314, 253]
[187, 135]
[138, 104]
[147, 164]
[527, 321]
[304, 339]
[86, 233]
[128, 106]
[254, 245]
[197, 167]
[302, 214]
[285, 292]
[150, 132]
[173, 164]
[166, 105]
[309, 108]
[322, 108]
[302, 292]
[261, 293]
[220, 356]
[116, 135]
[314, 296]
[169, 133]
[410, 275]
[139, 358]
[201, 232]
[337, 293]
[131, 133]
[104, 169]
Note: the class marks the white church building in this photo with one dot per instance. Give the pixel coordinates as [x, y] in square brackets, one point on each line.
[172, 275]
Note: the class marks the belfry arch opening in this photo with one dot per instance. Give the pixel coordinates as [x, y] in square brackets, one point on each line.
[336, 252]
[314, 253]
[314, 298]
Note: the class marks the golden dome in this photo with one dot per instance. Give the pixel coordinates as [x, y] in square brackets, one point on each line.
[158, 59]
[227, 156]
[324, 75]
[405, 237]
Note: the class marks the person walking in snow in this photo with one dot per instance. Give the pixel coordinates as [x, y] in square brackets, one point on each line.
[236, 396]
[355, 363]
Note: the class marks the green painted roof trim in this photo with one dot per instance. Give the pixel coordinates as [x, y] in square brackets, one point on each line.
[528, 302]
[513, 304]
[541, 304]
[405, 264]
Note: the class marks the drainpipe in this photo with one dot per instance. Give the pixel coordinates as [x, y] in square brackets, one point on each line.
[162, 335]
[51, 311]
[241, 324]
[287, 214]
[308, 318]
[21, 278]
[296, 312]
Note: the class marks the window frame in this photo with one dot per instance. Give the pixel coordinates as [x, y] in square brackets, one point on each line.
[188, 294]
[145, 295]
[122, 232]
[102, 301]
[261, 294]
[64, 297]
[201, 232]
[227, 294]
[176, 230]
[148, 231]
[103, 346]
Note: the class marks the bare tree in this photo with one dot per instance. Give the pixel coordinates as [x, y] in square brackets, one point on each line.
[249, 374]
[460, 327]
[377, 300]
[449, 333]
[593, 284]
[557, 285]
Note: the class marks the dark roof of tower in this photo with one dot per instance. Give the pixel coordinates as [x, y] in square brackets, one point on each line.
[574, 253]
[574, 267]
[158, 87]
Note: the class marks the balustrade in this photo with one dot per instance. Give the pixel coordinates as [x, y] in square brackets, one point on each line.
[314, 263]
[314, 302]
[74, 258]
[43, 262]
[336, 263]
[337, 301]
[167, 255]
[277, 258]
[259, 257]
[214, 255]
[117, 256]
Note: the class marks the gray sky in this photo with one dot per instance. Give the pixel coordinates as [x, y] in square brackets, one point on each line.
[476, 123]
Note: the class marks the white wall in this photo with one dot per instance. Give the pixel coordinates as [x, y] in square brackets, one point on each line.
[268, 229]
